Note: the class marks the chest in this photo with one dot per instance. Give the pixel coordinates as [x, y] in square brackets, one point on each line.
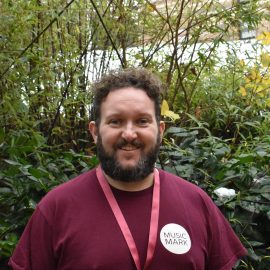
[92, 239]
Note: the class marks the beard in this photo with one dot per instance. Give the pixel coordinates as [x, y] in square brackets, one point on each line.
[112, 167]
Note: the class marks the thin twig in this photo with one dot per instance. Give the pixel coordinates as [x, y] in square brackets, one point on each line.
[36, 39]
[107, 32]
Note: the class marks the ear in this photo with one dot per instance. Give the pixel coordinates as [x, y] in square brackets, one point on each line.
[161, 129]
[93, 129]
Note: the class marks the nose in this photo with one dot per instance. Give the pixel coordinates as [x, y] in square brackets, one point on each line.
[129, 132]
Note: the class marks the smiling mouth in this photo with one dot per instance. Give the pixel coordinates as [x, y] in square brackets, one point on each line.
[129, 148]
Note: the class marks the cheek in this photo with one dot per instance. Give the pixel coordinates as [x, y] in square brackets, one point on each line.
[109, 139]
[151, 135]
[150, 140]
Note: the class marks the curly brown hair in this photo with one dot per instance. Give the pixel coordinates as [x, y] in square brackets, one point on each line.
[139, 78]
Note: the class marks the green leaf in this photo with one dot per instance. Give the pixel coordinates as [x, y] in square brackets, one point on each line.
[12, 162]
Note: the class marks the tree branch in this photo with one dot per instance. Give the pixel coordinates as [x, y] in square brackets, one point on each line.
[107, 32]
[36, 38]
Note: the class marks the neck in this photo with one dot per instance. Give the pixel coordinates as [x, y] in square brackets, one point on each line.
[131, 186]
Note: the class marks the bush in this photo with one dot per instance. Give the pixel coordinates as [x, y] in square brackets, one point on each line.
[29, 169]
[211, 162]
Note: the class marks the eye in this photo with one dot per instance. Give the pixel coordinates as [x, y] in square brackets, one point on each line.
[115, 122]
[143, 121]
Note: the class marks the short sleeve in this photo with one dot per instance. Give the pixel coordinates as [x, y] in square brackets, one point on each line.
[224, 247]
[34, 250]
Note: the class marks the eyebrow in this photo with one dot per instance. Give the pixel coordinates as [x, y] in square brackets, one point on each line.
[117, 114]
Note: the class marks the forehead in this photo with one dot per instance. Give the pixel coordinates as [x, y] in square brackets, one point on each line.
[127, 100]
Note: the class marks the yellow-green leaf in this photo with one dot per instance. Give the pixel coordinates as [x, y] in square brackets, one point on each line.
[172, 115]
[242, 62]
[255, 75]
[151, 7]
[259, 89]
[164, 107]
[165, 111]
[243, 91]
[265, 38]
[265, 59]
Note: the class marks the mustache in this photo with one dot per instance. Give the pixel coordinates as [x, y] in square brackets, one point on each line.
[123, 143]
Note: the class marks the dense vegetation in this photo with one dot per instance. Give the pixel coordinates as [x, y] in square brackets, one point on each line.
[217, 109]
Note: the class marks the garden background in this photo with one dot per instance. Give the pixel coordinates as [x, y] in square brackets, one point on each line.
[216, 103]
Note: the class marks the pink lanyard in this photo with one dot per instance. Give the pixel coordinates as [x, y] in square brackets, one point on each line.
[123, 224]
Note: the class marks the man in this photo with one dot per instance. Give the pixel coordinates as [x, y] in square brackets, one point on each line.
[126, 214]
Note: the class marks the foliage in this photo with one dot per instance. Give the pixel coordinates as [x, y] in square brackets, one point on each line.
[210, 162]
[29, 169]
[166, 112]
[216, 103]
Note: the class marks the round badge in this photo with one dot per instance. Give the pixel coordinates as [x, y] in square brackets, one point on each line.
[175, 238]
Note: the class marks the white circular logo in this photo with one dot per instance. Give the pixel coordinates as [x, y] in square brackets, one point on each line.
[175, 238]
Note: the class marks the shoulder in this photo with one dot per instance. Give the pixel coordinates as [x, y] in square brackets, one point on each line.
[181, 190]
[172, 181]
[77, 184]
[72, 192]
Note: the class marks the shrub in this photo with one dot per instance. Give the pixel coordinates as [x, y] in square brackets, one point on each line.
[195, 154]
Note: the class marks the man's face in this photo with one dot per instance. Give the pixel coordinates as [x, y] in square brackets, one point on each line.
[128, 136]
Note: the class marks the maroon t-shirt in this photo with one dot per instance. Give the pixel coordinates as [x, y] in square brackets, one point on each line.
[73, 228]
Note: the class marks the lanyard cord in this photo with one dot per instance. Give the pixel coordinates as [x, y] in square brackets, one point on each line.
[123, 224]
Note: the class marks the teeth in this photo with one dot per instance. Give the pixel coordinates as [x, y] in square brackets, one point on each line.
[129, 148]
